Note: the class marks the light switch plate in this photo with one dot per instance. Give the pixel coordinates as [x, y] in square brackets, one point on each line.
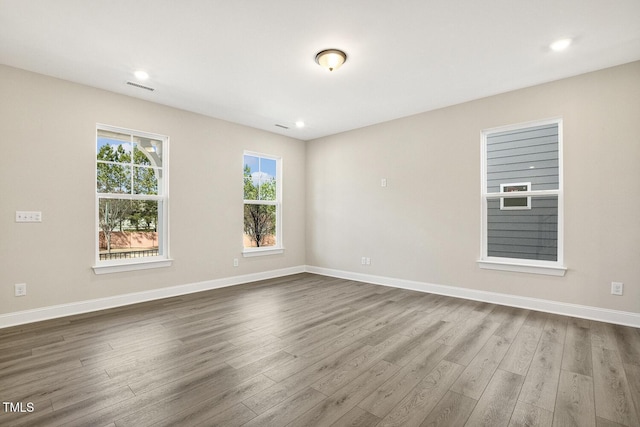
[28, 216]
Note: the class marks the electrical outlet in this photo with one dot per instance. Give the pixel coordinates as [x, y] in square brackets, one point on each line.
[20, 289]
[368, 261]
[363, 260]
[235, 262]
[617, 288]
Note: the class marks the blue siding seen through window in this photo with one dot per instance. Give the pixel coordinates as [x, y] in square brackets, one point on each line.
[524, 155]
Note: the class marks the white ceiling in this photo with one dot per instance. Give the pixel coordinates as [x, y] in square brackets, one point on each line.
[252, 61]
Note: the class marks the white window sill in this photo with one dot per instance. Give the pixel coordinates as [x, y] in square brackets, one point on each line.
[131, 266]
[549, 270]
[247, 253]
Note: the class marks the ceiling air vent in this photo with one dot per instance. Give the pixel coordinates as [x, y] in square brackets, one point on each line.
[141, 86]
[282, 126]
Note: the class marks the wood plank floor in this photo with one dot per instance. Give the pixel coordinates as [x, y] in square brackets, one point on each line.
[309, 350]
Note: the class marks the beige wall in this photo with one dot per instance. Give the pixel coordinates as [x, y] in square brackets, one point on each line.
[425, 225]
[47, 140]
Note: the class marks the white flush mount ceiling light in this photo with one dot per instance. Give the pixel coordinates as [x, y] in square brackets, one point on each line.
[331, 59]
[560, 45]
[299, 124]
[141, 75]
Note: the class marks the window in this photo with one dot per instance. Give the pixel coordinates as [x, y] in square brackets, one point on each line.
[522, 209]
[515, 202]
[262, 204]
[131, 200]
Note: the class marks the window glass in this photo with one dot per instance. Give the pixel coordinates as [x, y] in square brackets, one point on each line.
[528, 228]
[131, 196]
[261, 201]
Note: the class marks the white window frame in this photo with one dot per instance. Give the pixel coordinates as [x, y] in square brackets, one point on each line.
[278, 248]
[553, 268]
[143, 263]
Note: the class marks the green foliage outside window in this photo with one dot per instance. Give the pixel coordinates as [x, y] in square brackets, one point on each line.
[259, 219]
[117, 174]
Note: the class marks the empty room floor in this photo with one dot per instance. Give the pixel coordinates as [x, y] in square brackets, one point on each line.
[309, 350]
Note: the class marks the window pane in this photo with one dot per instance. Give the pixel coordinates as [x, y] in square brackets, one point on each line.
[524, 234]
[267, 179]
[113, 178]
[114, 147]
[524, 155]
[145, 180]
[128, 228]
[259, 225]
[251, 167]
[259, 178]
[148, 152]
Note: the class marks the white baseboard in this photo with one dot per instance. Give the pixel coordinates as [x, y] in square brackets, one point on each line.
[548, 306]
[62, 310]
[574, 310]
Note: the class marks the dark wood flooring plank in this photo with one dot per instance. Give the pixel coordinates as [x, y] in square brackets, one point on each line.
[343, 400]
[357, 417]
[322, 339]
[289, 409]
[452, 411]
[416, 406]
[461, 312]
[37, 372]
[355, 367]
[612, 393]
[68, 414]
[520, 354]
[471, 342]
[496, 405]
[407, 350]
[86, 392]
[478, 373]
[525, 415]
[603, 335]
[384, 319]
[541, 383]
[458, 332]
[577, 348]
[313, 355]
[632, 373]
[40, 389]
[574, 403]
[512, 322]
[601, 422]
[197, 404]
[394, 327]
[628, 340]
[235, 416]
[302, 379]
[537, 319]
[389, 394]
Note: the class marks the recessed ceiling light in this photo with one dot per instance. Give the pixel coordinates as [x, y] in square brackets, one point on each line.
[560, 45]
[299, 124]
[141, 75]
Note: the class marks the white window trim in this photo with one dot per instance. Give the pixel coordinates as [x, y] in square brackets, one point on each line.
[279, 247]
[123, 265]
[552, 268]
[515, 208]
[106, 267]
